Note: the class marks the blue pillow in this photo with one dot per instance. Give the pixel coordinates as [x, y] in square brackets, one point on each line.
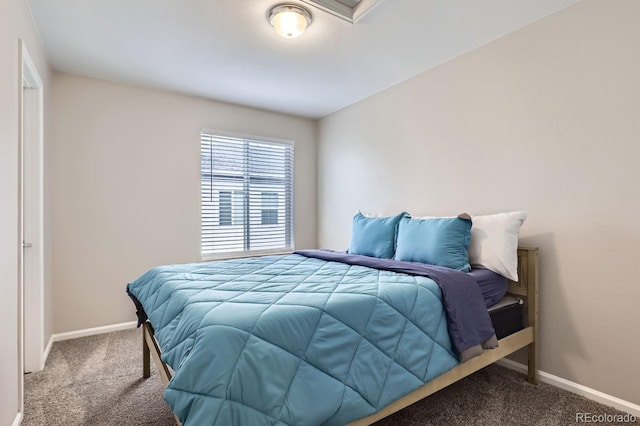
[374, 236]
[442, 241]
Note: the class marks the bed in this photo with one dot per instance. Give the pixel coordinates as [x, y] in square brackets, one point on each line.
[306, 338]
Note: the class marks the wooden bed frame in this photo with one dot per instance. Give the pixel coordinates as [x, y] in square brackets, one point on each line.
[527, 288]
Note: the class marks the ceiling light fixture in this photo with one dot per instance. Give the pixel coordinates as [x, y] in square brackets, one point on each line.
[289, 20]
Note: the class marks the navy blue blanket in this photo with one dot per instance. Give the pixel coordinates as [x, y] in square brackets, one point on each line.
[469, 324]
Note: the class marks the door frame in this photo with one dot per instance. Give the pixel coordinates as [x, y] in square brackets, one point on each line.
[30, 218]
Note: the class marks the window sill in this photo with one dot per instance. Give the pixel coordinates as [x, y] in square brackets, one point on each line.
[242, 255]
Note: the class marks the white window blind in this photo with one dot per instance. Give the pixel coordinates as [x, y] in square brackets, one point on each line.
[246, 196]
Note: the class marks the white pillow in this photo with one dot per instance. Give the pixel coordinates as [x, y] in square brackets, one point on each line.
[494, 242]
[374, 215]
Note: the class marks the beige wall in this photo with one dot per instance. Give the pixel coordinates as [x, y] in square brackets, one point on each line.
[15, 23]
[544, 120]
[125, 186]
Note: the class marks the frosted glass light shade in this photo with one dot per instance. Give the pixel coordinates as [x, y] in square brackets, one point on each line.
[289, 20]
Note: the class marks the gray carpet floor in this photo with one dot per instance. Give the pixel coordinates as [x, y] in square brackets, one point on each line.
[97, 380]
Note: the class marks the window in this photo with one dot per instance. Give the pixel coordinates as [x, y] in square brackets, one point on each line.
[269, 208]
[230, 208]
[246, 195]
[224, 219]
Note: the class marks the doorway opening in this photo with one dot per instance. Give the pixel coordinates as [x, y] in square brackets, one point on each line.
[31, 345]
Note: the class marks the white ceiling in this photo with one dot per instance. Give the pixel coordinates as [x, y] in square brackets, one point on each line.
[226, 49]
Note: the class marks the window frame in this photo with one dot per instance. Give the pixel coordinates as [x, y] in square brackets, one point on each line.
[248, 253]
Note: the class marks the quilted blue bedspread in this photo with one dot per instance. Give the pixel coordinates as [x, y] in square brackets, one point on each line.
[292, 340]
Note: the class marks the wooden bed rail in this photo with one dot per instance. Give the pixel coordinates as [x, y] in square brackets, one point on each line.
[150, 349]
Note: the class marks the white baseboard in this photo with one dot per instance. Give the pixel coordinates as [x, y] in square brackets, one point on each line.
[47, 351]
[58, 337]
[576, 388]
[18, 420]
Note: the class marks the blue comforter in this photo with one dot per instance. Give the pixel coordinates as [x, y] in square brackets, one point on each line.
[294, 339]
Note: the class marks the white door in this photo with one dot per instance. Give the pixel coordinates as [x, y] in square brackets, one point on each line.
[32, 259]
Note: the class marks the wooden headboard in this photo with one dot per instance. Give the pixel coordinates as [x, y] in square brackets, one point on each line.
[527, 271]
[527, 285]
